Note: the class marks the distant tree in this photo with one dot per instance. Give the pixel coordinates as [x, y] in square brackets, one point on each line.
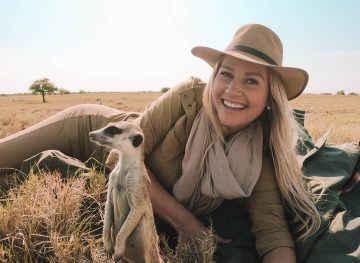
[340, 92]
[353, 93]
[164, 89]
[63, 91]
[43, 86]
[82, 91]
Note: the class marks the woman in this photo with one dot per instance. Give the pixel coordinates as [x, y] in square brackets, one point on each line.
[230, 139]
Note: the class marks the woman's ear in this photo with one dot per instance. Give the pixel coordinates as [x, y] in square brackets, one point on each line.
[136, 140]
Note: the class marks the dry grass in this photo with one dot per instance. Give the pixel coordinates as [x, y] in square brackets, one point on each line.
[49, 219]
[21, 111]
[341, 113]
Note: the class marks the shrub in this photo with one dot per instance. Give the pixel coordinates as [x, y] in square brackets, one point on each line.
[353, 93]
[164, 89]
[63, 91]
[340, 92]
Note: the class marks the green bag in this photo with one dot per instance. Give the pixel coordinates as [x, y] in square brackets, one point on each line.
[330, 168]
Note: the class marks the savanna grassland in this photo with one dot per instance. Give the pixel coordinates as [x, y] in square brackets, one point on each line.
[339, 112]
[49, 218]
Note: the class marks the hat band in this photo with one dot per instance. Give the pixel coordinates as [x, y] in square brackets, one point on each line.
[255, 52]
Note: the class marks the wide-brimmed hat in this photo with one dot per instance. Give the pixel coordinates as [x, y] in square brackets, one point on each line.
[258, 44]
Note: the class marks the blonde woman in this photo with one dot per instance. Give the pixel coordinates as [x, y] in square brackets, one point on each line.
[223, 151]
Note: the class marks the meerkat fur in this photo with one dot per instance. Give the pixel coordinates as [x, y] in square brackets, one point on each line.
[129, 231]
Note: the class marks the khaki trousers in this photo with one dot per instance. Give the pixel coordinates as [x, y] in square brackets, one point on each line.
[66, 131]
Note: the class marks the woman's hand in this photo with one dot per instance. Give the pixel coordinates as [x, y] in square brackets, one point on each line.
[193, 229]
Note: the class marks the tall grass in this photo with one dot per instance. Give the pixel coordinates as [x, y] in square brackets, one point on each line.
[47, 219]
[51, 219]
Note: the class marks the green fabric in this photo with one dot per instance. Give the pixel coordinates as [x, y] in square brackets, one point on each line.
[329, 168]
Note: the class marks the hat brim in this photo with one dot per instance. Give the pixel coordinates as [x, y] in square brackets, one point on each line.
[294, 79]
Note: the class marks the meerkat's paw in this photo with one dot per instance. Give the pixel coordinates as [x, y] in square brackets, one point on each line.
[119, 250]
[109, 248]
[109, 252]
[118, 259]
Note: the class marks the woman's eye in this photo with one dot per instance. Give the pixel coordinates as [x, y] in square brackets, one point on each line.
[226, 74]
[252, 81]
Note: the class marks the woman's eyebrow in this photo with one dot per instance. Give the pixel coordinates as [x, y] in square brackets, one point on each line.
[226, 67]
[254, 73]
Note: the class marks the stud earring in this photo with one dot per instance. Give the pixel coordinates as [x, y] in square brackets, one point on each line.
[268, 107]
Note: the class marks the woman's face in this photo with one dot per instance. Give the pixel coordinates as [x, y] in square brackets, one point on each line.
[239, 93]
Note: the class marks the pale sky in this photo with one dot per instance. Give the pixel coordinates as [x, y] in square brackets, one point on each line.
[124, 45]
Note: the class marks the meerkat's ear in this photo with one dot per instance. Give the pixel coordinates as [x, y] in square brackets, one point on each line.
[136, 140]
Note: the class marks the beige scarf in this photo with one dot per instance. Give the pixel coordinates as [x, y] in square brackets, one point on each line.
[229, 171]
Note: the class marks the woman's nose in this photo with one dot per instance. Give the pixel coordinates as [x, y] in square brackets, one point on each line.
[235, 87]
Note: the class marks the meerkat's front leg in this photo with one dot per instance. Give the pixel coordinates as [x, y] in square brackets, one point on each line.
[132, 220]
[135, 197]
[108, 223]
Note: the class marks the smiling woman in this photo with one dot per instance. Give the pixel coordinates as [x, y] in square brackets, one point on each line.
[240, 93]
[220, 152]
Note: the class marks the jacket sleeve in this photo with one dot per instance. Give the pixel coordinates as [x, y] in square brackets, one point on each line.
[160, 116]
[267, 213]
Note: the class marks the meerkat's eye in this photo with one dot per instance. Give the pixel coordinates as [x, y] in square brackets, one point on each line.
[136, 140]
[112, 130]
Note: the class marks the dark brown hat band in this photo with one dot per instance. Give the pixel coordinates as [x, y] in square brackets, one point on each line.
[255, 52]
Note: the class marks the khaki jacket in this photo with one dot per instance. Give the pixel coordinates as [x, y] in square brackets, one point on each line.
[167, 123]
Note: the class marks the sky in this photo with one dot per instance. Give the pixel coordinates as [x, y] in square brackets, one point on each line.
[129, 45]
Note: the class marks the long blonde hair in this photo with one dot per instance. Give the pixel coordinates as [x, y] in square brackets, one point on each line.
[281, 134]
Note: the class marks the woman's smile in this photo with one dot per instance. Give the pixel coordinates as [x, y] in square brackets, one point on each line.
[233, 106]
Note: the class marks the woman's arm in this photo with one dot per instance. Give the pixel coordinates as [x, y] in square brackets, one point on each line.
[280, 254]
[267, 214]
[168, 208]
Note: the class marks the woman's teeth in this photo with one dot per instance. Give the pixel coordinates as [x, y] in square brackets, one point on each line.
[236, 106]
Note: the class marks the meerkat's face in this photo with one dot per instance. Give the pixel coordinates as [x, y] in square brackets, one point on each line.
[122, 136]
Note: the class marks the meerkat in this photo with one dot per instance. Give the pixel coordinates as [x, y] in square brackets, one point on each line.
[129, 230]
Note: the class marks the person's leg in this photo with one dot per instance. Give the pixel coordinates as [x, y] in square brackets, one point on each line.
[231, 220]
[66, 131]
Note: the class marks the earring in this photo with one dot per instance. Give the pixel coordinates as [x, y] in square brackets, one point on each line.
[268, 107]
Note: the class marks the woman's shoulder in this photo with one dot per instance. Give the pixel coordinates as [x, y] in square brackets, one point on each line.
[192, 87]
[184, 93]
[190, 91]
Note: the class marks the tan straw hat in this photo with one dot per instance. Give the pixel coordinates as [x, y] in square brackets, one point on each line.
[258, 44]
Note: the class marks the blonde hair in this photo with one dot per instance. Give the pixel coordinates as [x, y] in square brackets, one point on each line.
[281, 134]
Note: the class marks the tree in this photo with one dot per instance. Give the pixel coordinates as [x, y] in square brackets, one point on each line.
[340, 92]
[43, 86]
